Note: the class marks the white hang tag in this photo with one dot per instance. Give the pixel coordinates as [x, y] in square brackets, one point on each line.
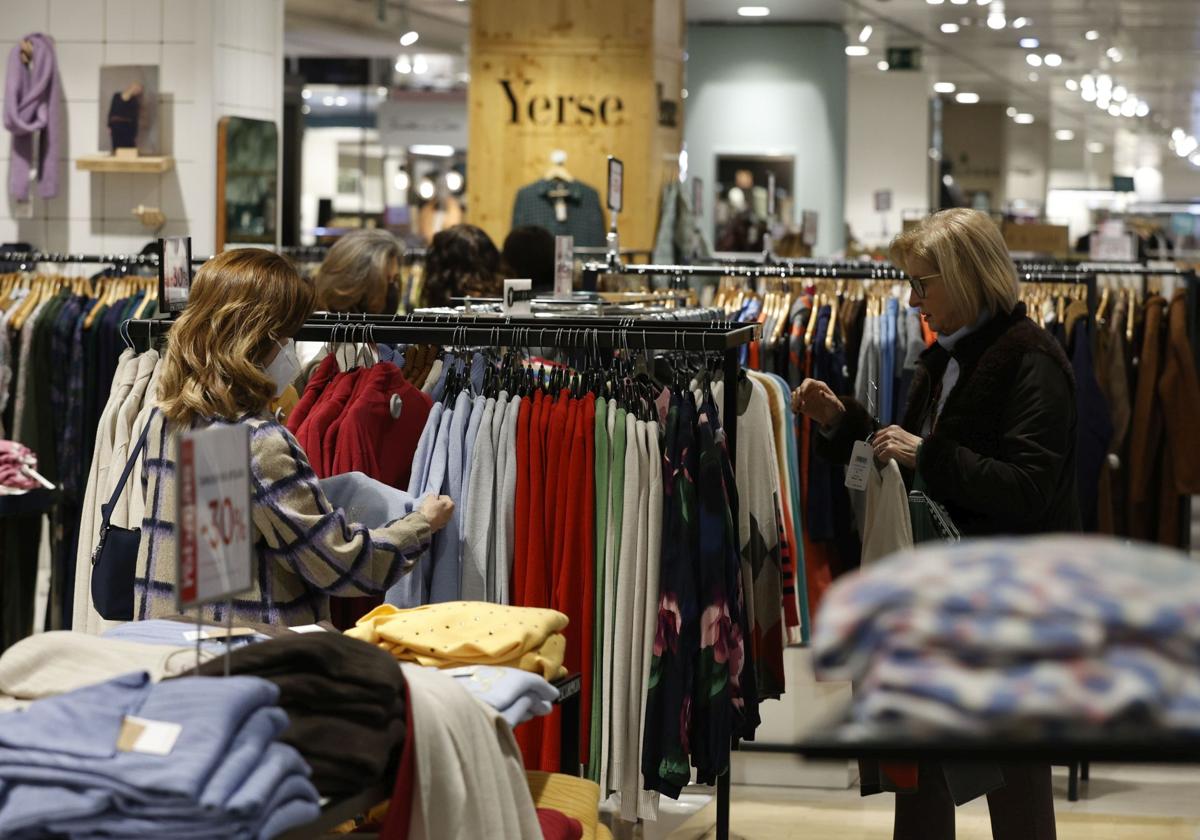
[560, 210]
[395, 406]
[308, 628]
[152, 737]
[860, 461]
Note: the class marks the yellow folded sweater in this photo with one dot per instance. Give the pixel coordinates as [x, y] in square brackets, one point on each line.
[469, 633]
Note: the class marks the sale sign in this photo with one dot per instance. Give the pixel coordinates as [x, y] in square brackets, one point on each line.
[214, 546]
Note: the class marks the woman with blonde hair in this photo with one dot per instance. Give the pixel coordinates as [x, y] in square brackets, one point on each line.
[989, 432]
[361, 273]
[228, 355]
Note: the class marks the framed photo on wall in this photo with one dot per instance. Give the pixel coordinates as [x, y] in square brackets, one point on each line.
[174, 273]
[247, 182]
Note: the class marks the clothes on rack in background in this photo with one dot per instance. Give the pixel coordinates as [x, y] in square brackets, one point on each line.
[565, 208]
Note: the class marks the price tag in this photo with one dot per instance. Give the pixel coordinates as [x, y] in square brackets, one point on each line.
[616, 183]
[151, 737]
[214, 551]
[517, 294]
[564, 265]
[860, 461]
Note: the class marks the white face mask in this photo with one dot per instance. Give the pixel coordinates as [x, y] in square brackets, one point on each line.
[285, 367]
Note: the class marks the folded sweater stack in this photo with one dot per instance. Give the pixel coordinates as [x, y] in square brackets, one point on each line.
[345, 703]
[1038, 636]
[517, 695]
[457, 633]
[184, 758]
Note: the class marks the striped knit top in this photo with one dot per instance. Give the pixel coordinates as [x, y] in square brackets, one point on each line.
[306, 549]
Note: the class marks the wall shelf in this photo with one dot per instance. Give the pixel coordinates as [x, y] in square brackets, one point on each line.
[142, 165]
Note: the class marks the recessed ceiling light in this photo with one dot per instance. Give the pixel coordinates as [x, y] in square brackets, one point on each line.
[1088, 94]
[865, 34]
[960, 2]
[1030, 43]
[1033, 76]
[996, 21]
[1023, 119]
[1020, 23]
[1011, 111]
[983, 2]
[420, 65]
[949, 28]
[454, 180]
[433, 150]
[1115, 55]
[882, 65]
[1095, 147]
[934, 2]
[1064, 134]
[1114, 110]
[966, 98]
[1129, 108]
[306, 94]
[753, 11]
[1104, 82]
[1053, 59]
[1072, 85]
[1119, 93]
[1195, 159]
[341, 102]
[409, 38]
[1091, 35]
[1143, 109]
[403, 66]
[327, 101]
[858, 50]
[944, 87]
[1033, 59]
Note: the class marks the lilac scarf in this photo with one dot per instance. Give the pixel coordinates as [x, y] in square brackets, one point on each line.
[32, 103]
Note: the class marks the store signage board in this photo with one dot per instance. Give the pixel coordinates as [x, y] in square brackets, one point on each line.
[517, 295]
[883, 200]
[808, 227]
[616, 183]
[564, 265]
[174, 273]
[214, 549]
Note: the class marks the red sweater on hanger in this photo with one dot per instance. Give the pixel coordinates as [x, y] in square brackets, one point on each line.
[372, 441]
[321, 377]
[332, 403]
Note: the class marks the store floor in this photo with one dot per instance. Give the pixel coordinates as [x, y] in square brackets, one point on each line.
[1121, 802]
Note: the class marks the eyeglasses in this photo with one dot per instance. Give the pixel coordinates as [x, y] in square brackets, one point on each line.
[918, 283]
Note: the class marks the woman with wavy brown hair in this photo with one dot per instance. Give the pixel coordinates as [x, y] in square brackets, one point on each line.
[462, 261]
[228, 355]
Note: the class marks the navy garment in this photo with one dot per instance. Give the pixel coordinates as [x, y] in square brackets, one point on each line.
[830, 515]
[1095, 428]
[887, 380]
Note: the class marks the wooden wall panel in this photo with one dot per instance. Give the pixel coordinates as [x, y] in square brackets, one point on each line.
[578, 76]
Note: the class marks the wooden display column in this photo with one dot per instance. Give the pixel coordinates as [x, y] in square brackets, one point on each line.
[589, 77]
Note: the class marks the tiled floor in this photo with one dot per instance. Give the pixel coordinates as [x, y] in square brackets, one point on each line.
[1119, 803]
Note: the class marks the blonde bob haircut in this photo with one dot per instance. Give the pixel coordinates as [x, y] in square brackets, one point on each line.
[242, 304]
[967, 251]
[355, 274]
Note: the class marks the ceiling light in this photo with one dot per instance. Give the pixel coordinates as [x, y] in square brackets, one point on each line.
[858, 50]
[1064, 134]
[432, 150]
[1195, 159]
[996, 20]
[454, 180]
[427, 189]
[1129, 108]
[880, 65]
[420, 65]
[381, 91]
[1072, 85]
[949, 28]
[1020, 23]
[401, 181]
[1033, 60]
[1114, 110]
[341, 102]
[306, 94]
[403, 66]
[1033, 77]
[1104, 82]
[753, 11]
[943, 87]
[409, 38]
[865, 35]
[1119, 93]
[1091, 35]
[1023, 119]
[1102, 101]
[1186, 146]
[1177, 134]
[1088, 81]
[327, 101]
[934, 2]
[960, 2]
[304, 109]
[683, 94]
[1011, 111]
[1143, 110]
[983, 2]
[1095, 147]
[1088, 94]
[1053, 59]
[1029, 43]
[1114, 54]
[966, 98]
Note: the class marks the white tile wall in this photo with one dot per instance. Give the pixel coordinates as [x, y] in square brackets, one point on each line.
[216, 57]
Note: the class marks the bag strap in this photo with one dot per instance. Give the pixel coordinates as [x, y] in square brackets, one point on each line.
[106, 510]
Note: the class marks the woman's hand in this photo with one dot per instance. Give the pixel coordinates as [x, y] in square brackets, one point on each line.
[438, 510]
[814, 399]
[894, 442]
